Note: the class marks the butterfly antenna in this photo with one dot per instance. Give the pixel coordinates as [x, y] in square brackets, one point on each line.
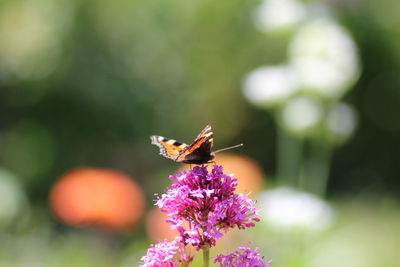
[226, 148]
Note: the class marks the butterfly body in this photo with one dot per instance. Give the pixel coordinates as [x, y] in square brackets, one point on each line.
[199, 152]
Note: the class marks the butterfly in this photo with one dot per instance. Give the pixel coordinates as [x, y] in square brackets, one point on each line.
[198, 152]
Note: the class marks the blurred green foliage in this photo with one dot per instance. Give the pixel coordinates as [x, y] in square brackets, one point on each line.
[84, 83]
[128, 69]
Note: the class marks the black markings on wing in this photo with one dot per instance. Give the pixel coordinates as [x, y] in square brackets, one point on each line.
[169, 148]
[199, 151]
[176, 143]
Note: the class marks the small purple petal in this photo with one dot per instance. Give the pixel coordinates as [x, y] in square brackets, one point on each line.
[242, 257]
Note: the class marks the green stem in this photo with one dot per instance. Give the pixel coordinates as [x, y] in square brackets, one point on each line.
[290, 151]
[206, 257]
[316, 171]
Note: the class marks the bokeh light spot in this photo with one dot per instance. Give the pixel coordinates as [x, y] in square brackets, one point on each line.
[269, 86]
[277, 15]
[301, 115]
[13, 200]
[286, 208]
[324, 57]
[98, 197]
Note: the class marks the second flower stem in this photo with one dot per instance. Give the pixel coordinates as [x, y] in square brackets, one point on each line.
[206, 257]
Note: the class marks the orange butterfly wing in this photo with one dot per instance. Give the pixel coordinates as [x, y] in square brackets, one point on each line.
[199, 151]
[169, 148]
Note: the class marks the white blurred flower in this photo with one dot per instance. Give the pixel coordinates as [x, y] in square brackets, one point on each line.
[270, 85]
[342, 120]
[12, 198]
[301, 115]
[324, 57]
[276, 15]
[286, 208]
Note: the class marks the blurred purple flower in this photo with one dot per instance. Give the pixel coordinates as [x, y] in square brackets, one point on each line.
[161, 254]
[206, 200]
[242, 257]
[167, 254]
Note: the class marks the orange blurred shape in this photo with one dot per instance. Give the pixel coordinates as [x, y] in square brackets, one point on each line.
[98, 197]
[246, 170]
[157, 228]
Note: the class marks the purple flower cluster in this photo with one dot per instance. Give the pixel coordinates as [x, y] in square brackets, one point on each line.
[167, 254]
[202, 205]
[207, 202]
[242, 257]
[161, 254]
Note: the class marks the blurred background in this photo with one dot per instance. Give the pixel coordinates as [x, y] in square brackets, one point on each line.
[312, 89]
